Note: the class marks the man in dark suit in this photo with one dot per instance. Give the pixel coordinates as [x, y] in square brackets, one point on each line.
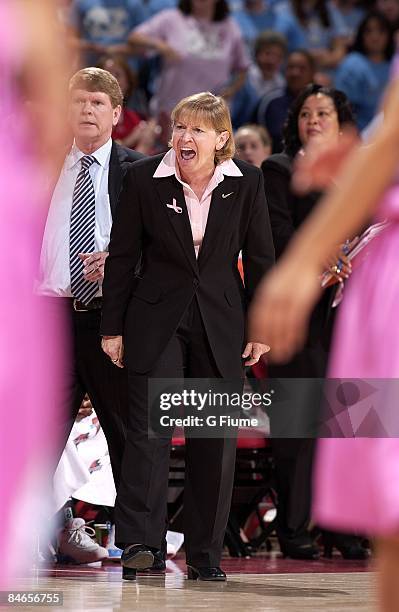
[187, 214]
[75, 247]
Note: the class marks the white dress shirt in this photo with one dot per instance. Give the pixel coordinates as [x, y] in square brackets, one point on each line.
[198, 210]
[55, 278]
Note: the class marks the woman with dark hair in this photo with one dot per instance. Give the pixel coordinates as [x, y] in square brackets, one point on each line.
[314, 25]
[201, 48]
[364, 73]
[294, 138]
[316, 118]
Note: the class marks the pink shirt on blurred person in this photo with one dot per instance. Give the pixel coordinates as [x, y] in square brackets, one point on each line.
[198, 210]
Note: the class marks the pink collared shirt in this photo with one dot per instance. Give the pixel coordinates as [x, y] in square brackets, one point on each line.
[198, 210]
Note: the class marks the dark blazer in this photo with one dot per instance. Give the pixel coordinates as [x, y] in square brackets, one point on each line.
[286, 209]
[148, 307]
[287, 212]
[119, 162]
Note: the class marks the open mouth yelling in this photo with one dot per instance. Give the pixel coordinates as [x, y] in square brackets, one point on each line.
[187, 154]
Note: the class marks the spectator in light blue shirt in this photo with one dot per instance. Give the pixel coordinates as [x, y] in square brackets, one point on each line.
[349, 14]
[97, 24]
[364, 73]
[312, 25]
[254, 17]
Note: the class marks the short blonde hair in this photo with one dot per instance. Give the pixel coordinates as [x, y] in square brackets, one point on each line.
[96, 79]
[212, 111]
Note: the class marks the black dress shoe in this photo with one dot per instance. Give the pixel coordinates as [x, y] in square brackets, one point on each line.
[137, 556]
[211, 574]
[349, 546]
[300, 548]
[158, 566]
[159, 563]
[128, 573]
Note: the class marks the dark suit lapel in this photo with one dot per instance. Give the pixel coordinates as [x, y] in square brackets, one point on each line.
[223, 199]
[169, 190]
[115, 176]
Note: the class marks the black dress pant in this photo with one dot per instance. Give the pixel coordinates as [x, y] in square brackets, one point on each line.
[89, 370]
[141, 504]
[293, 460]
[293, 457]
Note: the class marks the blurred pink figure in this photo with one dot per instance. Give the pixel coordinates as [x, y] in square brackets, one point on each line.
[29, 342]
[356, 480]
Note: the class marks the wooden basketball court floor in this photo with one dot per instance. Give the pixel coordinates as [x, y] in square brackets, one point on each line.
[265, 583]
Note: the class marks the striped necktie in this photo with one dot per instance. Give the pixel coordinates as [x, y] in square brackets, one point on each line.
[81, 234]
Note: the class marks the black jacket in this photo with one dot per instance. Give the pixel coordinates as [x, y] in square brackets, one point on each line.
[119, 162]
[286, 209]
[148, 307]
[287, 212]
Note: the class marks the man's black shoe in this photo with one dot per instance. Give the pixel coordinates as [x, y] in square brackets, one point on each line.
[159, 563]
[137, 556]
[210, 574]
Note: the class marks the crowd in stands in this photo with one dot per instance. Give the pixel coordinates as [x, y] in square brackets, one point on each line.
[258, 54]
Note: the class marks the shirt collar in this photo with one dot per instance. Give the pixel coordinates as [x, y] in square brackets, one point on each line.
[167, 167]
[102, 155]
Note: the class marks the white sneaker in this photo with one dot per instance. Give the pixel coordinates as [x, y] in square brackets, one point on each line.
[75, 543]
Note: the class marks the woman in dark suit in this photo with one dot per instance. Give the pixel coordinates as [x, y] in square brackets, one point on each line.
[316, 119]
[183, 218]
